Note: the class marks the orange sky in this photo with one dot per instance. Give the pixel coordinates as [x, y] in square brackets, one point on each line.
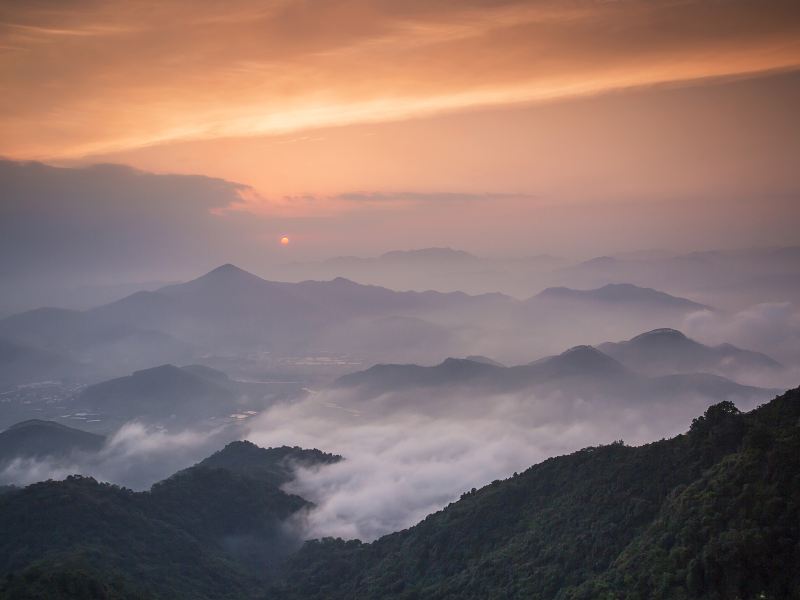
[529, 105]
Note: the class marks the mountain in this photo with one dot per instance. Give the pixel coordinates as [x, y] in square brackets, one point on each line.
[230, 312]
[580, 361]
[163, 392]
[668, 351]
[624, 296]
[581, 374]
[441, 269]
[384, 378]
[208, 532]
[38, 439]
[731, 279]
[275, 465]
[712, 513]
[484, 359]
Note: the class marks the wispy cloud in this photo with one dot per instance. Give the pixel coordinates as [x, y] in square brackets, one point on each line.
[119, 76]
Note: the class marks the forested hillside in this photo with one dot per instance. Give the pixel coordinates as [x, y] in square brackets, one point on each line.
[713, 513]
[206, 532]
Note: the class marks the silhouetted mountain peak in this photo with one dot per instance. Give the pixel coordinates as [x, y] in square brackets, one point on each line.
[662, 334]
[478, 358]
[157, 372]
[465, 365]
[165, 391]
[667, 351]
[621, 293]
[276, 464]
[38, 423]
[36, 437]
[581, 360]
[228, 272]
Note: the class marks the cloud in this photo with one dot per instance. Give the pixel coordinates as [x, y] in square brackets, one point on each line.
[109, 223]
[135, 456]
[769, 327]
[410, 454]
[119, 76]
[305, 205]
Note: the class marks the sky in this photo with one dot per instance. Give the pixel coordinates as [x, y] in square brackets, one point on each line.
[502, 127]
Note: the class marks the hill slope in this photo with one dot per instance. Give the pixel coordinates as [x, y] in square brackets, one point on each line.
[714, 513]
[36, 438]
[206, 532]
[162, 392]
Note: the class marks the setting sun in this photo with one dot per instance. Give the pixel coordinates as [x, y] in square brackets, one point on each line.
[284, 241]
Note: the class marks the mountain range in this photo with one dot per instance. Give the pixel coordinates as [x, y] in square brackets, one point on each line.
[164, 393]
[230, 312]
[730, 279]
[582, 372]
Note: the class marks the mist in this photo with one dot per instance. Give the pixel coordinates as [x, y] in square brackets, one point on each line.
[410, 454]
[135, 456]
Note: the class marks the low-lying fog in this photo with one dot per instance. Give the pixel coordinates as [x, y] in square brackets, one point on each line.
[407, 453]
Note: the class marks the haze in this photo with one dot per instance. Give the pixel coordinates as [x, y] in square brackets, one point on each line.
[297, 269]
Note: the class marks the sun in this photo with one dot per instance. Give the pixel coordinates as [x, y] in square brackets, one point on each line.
[284, 241]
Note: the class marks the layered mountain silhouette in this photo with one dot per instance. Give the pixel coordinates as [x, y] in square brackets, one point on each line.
[46, 439]
[582, 372]
[228, 311]
[624, 296]
[668, 351]
[164, 392]
[742, 277]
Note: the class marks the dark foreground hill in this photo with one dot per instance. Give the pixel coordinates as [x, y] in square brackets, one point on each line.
[207, 532]
[713, 513]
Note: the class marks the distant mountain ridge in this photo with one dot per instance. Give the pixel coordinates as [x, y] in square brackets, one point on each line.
[45, 439]
[230, 312]
[668, 351]
[159, 392]
[582, 372]
[622, 294]
[225, 310]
